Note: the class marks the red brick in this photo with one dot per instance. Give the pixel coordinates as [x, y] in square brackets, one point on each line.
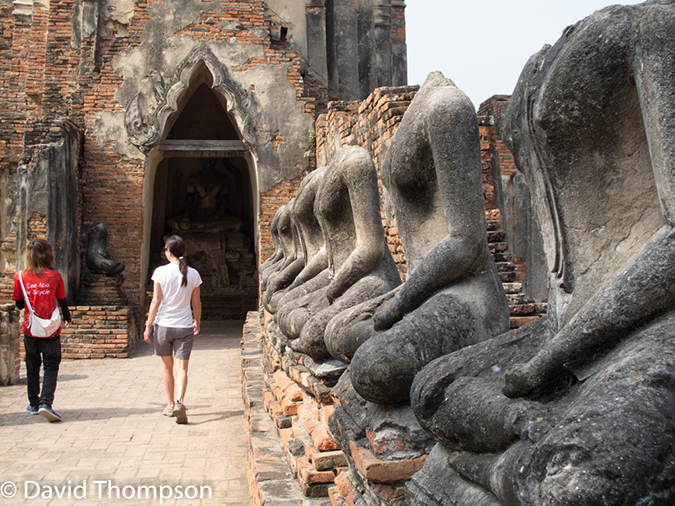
[384, 471]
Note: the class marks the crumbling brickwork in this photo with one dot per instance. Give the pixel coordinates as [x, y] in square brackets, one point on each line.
[370, 124]
[270, 202]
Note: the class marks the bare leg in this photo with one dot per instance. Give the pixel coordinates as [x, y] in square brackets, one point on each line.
[167, 373]
[181, 378]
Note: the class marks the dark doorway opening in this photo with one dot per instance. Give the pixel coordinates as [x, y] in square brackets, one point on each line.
[203, 194]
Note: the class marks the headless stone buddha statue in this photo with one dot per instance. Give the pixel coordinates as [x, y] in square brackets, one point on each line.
[453, 295]
[360, 266]
[293, 257]
[206, 207]
[273, 262]
[578, 408]
[315, 273]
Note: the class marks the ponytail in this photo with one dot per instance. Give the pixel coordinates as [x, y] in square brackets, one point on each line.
[182, 266]
[176, 246]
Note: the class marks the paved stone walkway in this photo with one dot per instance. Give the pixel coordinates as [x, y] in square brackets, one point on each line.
[113, 433]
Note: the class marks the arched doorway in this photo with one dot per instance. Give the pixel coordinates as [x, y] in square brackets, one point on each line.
[203, 192]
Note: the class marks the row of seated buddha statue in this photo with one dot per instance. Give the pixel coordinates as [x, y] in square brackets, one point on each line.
[333, 286]
[577, 408]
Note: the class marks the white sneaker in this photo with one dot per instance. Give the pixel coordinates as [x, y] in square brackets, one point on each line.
[180, 412]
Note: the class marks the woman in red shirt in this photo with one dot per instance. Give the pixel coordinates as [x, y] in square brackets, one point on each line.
[44, 288]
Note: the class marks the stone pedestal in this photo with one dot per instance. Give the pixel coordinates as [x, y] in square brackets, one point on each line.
[384, 446]
[10, 343]
[102, 290]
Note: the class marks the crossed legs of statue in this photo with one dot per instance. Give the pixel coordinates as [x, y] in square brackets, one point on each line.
[311, 339]
[384, 366]
[298, 305]
[591, 442]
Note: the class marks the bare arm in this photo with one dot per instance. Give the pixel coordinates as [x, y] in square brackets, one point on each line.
[152, 312]
[638, 293]
[282, 279]
[196, 310]
[317, 264]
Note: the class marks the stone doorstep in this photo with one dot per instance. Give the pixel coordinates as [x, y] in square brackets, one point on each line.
[384, 471]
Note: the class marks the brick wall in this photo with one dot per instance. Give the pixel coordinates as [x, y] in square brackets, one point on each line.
[48, 68]
[100, 332]
[97, 332]
[495, 151]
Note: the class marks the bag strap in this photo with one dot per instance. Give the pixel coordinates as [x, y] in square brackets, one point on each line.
[25, 294]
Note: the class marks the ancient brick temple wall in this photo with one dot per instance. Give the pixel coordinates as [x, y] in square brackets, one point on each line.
[499, 169]
[100, 332]
[53, 66]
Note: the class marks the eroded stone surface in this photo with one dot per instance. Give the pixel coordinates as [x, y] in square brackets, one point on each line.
[310, 240]
[293, 258]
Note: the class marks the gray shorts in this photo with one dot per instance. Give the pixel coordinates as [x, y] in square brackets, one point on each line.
[173, 339]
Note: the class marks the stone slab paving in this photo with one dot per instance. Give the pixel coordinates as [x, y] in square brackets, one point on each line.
[113, 439]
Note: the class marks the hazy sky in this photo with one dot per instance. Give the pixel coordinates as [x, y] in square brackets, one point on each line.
[483, 45]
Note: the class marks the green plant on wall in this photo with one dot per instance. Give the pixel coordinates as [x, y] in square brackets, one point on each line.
[312, 144]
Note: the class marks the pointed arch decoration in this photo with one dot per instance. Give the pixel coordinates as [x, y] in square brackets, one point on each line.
[149, 110]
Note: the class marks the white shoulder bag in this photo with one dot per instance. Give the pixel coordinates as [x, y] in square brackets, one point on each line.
[39, 327]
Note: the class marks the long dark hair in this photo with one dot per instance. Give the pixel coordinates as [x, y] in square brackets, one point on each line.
[39, 256]
[176, 246]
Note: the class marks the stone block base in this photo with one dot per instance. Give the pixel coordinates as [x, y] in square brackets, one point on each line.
[100, 332]
[271, 480]
[11, 338]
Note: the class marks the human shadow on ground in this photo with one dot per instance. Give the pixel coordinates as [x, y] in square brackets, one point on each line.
[223, 415]
[91, 414]
[77, 415]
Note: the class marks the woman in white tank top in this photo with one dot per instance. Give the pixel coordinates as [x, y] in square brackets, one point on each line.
[174, 319]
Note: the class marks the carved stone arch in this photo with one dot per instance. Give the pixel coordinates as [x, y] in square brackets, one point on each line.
[148, 112]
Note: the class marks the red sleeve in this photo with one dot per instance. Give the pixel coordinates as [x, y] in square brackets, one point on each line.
[60, 289]
[18, 292]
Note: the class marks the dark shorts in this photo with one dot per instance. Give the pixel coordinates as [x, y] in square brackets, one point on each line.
[171, 339]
